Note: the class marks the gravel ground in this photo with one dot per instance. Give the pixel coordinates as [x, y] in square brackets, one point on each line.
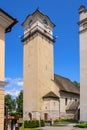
[69, 127]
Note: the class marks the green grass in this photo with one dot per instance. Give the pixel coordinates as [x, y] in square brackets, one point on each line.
[21, 128]
[82, 125]
[66, 120]
[59, 125]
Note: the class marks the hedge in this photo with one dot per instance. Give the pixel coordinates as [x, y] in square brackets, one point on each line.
[33, 123]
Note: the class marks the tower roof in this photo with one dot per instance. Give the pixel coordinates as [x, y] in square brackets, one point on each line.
[39, 13]
[7, 21]
[82, 9]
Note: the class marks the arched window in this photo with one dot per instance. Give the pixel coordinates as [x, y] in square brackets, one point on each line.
[30, 116]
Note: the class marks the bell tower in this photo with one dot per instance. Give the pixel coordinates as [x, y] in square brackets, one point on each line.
[83, 62]
[38, 62]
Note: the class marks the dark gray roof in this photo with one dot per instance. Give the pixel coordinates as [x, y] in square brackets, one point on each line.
[51, 95]
[65, 84]
[73, 106]
[39, 12]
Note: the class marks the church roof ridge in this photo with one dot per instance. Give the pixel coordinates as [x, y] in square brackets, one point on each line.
[65, 84]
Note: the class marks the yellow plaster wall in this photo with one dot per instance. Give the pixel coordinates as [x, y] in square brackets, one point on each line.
[2, 54]
[1, 109]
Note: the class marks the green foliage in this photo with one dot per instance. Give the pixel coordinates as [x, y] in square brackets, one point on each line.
[19, 103]
[81, 125]
[76, 84]
[37, 123]
[42, 122]
[33, 123]
[10, 102]
[26, 124]
[15, 106]
[66, 120]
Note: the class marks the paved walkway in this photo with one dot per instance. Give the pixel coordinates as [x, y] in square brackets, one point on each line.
[69, 127]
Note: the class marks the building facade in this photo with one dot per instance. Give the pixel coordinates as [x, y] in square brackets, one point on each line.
[42, 98]
[83, 62]
[6, 23]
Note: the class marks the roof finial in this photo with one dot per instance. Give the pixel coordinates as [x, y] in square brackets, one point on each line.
[37, 7]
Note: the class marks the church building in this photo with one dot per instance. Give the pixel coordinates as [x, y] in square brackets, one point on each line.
[46, 95]
[83, 62]
[6, 23]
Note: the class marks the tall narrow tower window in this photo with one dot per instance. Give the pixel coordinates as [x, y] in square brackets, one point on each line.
[65, 101]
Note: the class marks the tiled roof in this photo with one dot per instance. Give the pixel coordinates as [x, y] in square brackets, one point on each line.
[51, 95]
[73, 106]
[65, 84]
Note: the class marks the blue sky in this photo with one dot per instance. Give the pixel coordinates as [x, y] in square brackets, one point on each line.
[64, 13]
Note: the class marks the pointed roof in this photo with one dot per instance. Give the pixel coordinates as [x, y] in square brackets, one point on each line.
[65, 84]
[51, 95]
[37, 11]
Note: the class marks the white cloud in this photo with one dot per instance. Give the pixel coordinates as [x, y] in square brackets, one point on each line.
[20, 83]
[15, 81]
[13, 93]
[8, 79]
[15, 85]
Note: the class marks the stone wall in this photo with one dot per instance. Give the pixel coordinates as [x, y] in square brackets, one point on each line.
[1, 109]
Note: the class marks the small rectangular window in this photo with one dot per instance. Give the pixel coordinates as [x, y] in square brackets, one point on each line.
[75, 100]
[65, 101]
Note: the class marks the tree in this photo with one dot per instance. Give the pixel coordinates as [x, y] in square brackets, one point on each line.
[76, 84]
[10, 103]
[19, 101]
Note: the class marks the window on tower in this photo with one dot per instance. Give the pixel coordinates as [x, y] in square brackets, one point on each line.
[45, 22]
[85, 25]
[30, 22]
[65, 101]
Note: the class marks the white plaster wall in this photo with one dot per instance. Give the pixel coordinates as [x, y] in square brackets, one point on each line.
[83, 76]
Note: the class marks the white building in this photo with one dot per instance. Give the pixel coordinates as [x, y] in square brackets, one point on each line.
[83, 62]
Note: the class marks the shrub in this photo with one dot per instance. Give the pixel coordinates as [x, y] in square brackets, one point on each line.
[42, 122]
[37, 123]
[66, 120]
[31, 123]
[26, 124]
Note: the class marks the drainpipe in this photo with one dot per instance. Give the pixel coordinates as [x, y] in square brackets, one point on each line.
[59, 107]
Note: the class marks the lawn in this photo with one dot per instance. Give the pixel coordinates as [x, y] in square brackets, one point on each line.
[82, 125]
[21, 128]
